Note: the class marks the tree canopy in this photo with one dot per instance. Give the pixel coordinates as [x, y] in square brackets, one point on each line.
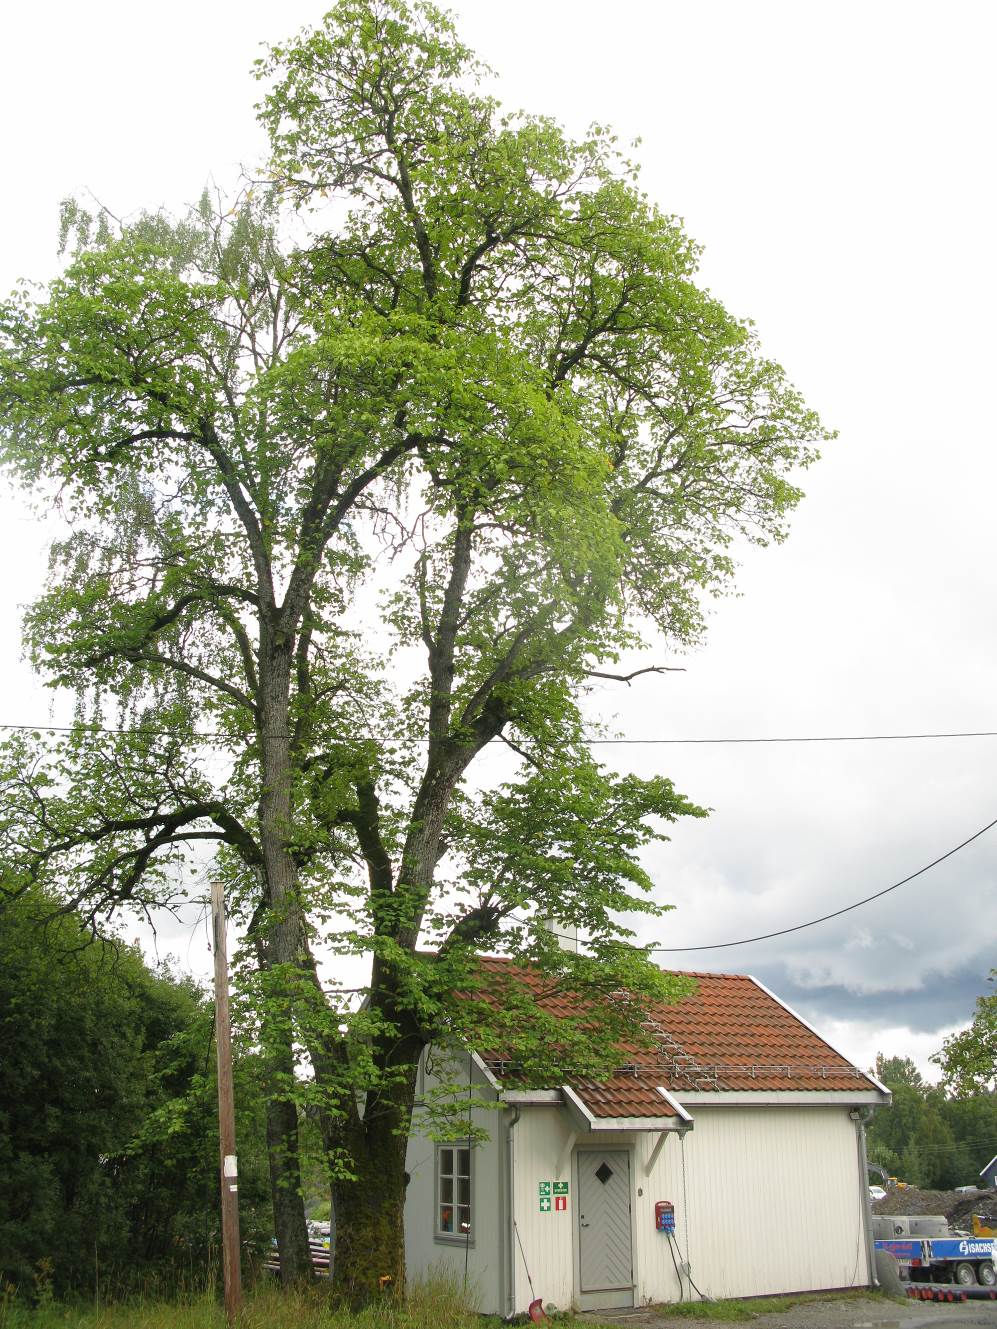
[969, 1059]
[108, 1143]
[940, 1136]
[349, 507]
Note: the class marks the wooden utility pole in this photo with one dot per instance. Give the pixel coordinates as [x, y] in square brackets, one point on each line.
[226, 1112]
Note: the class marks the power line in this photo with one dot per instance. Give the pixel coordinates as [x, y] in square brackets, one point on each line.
[802, 738]
[944, 1146]
[799, 927]
[661, 950]
[602, 742]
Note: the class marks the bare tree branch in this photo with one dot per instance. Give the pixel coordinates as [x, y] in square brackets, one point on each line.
[627, 678]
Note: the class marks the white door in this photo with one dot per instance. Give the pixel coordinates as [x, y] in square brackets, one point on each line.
[605, 1252]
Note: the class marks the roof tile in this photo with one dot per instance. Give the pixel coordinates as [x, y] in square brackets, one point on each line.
[729, 1034]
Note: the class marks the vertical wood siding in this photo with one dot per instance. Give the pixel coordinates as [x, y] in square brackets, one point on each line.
[772, 1203]
[540, 1141]
[425, 1254]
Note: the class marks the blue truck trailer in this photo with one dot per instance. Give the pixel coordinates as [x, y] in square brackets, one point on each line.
[927, 1251]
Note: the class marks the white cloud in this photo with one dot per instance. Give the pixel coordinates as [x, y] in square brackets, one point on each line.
[861, 1040]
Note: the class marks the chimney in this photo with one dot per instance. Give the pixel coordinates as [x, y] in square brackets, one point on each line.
[565, 934]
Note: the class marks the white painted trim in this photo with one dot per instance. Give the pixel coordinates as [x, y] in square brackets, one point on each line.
[578, 1109]
[520, 1097]
[674, 1104]
[783, 1098]
[564, 1161]
[489, 1077]
[590, 1122]
[807, 1025]
[986, 1165]
[636, 1124]
[652, 1158]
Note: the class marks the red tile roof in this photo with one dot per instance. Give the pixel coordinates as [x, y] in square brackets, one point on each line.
[625, 1095]
[729, 1034]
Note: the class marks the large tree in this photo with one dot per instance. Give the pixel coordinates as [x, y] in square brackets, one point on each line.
[358, 506]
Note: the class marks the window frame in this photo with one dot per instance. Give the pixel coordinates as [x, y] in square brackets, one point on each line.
[453, 1238]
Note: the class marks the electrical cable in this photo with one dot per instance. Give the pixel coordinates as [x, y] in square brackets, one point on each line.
[202, 917]
[678, 1272]
[208, 737]
[671, 950]
[519, 1240]
[799, 927]
[685, 1208]
[802, 738]
[952, 1146]
[470, 1179]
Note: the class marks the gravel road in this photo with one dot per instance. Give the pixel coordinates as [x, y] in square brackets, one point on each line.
[829, 1313]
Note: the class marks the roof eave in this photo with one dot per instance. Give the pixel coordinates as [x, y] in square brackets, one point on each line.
[525, 1097]
[586, 1120]
[786, 1098]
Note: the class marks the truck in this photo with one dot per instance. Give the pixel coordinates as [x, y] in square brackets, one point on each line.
[928, 1251]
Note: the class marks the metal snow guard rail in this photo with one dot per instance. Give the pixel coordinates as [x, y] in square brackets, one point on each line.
[499, 1066]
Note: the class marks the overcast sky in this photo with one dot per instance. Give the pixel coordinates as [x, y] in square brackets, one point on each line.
[835, 159]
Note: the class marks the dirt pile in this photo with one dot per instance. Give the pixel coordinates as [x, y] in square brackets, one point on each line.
[957, 1206]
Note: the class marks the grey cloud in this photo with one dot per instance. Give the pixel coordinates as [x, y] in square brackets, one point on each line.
[941, 1000]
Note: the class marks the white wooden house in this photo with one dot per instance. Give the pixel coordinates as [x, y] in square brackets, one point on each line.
[744, 1120]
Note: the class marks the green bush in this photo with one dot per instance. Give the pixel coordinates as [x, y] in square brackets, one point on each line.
[108, 1135]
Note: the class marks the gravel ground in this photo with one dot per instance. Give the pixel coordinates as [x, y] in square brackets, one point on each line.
[827, 1313]
[957, 1206]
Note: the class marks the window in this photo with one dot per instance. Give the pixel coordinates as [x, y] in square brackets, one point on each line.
[453, 1192]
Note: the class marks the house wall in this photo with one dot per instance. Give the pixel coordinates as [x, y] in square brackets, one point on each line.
[542, 1143]
[769, 1200]
[773, 1201]
[426, 1253]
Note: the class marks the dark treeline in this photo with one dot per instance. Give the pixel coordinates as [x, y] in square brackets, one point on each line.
[931, 1138]
[108, 1128]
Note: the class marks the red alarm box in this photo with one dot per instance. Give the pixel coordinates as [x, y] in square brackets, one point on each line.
[664, 1216]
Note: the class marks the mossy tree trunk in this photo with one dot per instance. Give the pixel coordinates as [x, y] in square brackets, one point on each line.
[369, 1257]
[370, 1233]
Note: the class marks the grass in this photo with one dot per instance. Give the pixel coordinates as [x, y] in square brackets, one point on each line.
[436, 1305]
[734, 1311]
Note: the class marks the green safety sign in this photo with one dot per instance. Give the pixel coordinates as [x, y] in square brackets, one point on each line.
[553, 1195]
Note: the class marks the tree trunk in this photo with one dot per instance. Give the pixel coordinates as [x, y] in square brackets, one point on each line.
[369, 1257]
[281, 951]
[285, 1177]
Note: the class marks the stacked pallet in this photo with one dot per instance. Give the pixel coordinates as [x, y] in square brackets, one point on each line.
[320, 1253]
